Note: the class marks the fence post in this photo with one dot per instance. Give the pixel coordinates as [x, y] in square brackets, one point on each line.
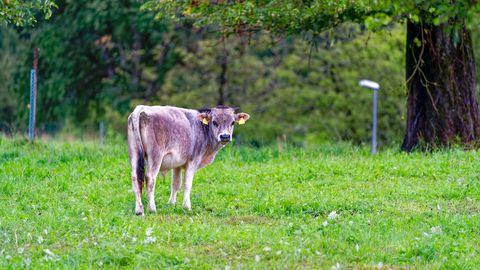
[102, 131]
[33, 96]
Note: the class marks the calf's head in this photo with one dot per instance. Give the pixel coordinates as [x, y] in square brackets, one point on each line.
[221, 121]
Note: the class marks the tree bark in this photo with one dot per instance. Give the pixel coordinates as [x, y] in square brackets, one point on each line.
[442, 107]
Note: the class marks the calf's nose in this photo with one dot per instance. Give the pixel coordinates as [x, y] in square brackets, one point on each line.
[225, 137]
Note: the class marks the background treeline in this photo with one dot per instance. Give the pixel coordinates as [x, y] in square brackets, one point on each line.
[98, 59]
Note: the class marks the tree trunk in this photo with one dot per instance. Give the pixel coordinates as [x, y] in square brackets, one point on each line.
[442, 107]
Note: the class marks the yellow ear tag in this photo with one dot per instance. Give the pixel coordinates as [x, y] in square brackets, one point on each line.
[241, 121]
[205, 121]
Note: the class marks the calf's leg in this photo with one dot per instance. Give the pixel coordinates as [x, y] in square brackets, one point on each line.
[153, 168]
[187, 185]
[176, 182]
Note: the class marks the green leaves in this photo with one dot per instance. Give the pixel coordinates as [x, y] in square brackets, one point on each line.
[20, 12]
[294, 16]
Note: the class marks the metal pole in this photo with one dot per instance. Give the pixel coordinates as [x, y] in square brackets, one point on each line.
[102, 131]
[374, 86]
[33, 96]
[374, 122]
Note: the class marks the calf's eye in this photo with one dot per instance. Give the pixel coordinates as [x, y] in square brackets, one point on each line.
[215, 123]
[233, 123]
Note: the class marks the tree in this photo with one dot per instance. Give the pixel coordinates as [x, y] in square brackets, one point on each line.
[20, 12]
[442, 107]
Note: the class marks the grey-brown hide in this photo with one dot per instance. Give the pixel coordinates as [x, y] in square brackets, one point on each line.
[171, 138]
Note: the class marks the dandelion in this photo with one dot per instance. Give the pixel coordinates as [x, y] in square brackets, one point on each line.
[436, 230]
[333, 215]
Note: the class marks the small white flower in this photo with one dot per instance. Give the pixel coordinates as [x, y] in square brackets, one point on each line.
[134, 239]
[27, 261]
[149, 231]
[350, 223]
[357, 247]
[267, 249]
[436, 230]
[40, 239]
[257, 258]
[8, 257]
[20, 250]
[460, 181]
[45, 231]
[186, 260]
[325, 223]
[84, 219]
[278, 252]
[149, 240]
[48, 252]
[336, 266]
[333, 215]
[380, 265]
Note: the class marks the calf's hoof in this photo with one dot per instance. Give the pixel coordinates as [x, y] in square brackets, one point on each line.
[139, 211]
[171, 201]
[187, 206]
[152, 209]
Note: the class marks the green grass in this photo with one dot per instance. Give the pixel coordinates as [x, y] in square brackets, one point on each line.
[71, 206]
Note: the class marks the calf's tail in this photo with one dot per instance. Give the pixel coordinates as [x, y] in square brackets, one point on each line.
[134, 122]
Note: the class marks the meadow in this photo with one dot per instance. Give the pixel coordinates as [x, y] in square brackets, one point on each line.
[70, 205]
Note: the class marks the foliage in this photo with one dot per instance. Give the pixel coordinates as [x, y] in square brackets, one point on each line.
[292, 90]
[11, 48]
[95, 56]
[315, 16]
[70, 206]
[20, 12]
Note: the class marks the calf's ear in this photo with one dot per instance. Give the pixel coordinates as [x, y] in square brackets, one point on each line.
[203, 117]
[241, 118]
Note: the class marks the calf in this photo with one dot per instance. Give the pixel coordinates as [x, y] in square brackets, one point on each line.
[175, 138]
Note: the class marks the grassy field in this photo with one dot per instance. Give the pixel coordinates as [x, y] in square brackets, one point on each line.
[71, 206]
